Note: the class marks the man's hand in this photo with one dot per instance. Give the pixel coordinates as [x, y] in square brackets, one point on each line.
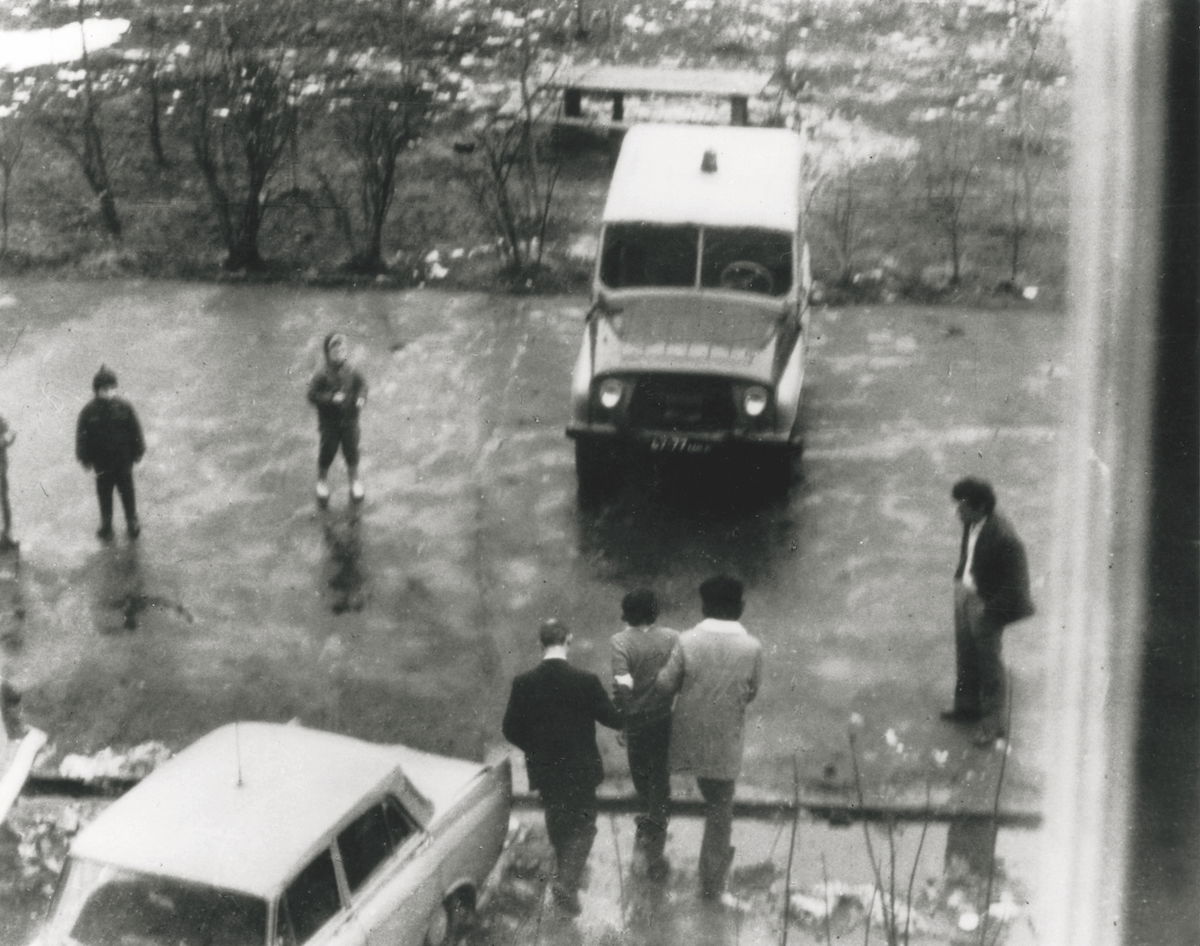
[338, 397]
[361, 403]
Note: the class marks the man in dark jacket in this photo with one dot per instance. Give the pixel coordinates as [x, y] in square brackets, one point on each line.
[991, 590]
[339, 393]
[108, 441]
[551, 717]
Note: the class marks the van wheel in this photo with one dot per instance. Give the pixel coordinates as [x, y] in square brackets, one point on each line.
[596, 470]
[449, 922]
[774, 469]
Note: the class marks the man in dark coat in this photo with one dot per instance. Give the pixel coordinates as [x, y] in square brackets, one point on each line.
[551, 717]
[108, 441]
[991, 590]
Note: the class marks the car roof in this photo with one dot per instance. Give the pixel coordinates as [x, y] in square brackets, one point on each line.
[244, 807]
[658, 177]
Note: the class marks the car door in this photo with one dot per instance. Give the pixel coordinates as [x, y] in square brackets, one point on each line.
[391, 872]
[313, 909]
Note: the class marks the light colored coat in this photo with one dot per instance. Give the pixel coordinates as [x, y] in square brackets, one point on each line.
[715, 669]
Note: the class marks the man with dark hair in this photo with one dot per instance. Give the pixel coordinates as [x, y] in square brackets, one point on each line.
[991, 590]
[639, 652]
[339, 392]
[551, 716]
[715, 669]
[108, 441]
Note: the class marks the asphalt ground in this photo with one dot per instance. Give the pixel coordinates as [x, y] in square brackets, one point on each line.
[405, 619]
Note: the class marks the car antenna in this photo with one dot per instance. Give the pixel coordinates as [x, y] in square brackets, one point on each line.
[237, 752]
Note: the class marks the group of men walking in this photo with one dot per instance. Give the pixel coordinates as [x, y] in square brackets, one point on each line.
[680, 702]
[679, 698]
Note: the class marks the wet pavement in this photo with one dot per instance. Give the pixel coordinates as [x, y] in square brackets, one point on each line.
[405, 618]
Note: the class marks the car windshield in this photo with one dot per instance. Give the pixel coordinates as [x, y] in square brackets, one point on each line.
[744, 259]
[100, 905]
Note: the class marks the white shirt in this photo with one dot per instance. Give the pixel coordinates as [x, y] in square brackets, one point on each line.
[968, 575]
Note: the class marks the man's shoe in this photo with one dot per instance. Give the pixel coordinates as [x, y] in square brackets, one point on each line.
[135, 529]
[566, 900]
[322, 493]
[104, 533]
[8, 544]
[987, 738]
[357, 493]
[959, 716]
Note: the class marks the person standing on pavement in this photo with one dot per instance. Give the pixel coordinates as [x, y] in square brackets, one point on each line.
[715, 668]
[7, 436]
[339, 393]
[639, 652]
[991, 590]
[108, 442]
[551, 716]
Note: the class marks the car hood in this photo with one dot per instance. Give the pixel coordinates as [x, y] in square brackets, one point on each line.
[440, 779]
[704, 332]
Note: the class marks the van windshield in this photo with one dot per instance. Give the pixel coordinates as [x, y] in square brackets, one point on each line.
[739, 258]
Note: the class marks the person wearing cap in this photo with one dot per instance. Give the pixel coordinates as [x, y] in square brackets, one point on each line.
[7, 436]
[108, 442]
[991, 590]
[551, 716]
[639, 652]
[714, 671]
[339, 393]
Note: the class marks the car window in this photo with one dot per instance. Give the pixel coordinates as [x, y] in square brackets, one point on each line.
[157, 911]
[642, 254]
[748, 259]
[309, 901]
[371, 838]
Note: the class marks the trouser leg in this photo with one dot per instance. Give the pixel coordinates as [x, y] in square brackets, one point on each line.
[648, 749]
[123, 479]
[966, 683]
[988, 636]
[571, 825]
[5, 509]
[104, 494]
[716, 854]
[327, 450]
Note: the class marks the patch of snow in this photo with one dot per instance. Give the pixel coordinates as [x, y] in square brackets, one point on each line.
[23, 49]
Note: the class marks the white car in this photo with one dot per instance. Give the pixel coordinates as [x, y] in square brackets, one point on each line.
[262, 834]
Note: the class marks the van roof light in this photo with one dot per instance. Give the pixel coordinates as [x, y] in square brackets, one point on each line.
[708, 164]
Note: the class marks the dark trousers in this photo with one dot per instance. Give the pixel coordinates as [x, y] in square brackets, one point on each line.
[716, 853]
[648, 747]
[122, 479]
[979, 683]
[570, 809]
[335, 438]
[4, 507]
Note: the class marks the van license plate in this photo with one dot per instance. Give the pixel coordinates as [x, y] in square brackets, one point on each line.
[675, 444]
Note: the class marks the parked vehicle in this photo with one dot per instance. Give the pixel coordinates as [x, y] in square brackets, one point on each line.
[262, 834]
[696, 339]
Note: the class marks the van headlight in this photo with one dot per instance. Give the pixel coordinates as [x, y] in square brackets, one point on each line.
[754, 401]
[610, 393]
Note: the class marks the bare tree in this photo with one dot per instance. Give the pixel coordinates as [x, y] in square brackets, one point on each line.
[513, 168]
[1030, 124]
[14, 116]
[949, 163]
[843, 219]
[241, 86]
[383, 103]
[68, 110]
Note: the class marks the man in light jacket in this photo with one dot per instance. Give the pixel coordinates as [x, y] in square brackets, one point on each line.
[715, 669]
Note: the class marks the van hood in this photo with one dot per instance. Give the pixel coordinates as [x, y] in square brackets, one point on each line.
[715, 333]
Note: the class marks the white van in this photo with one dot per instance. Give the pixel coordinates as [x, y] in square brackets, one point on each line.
[695, 342]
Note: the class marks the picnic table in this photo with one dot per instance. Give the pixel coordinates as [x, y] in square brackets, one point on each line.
[615, 82]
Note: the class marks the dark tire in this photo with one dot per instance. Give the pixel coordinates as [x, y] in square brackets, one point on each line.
[773, 469]
[597, 471]
[449, 923]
